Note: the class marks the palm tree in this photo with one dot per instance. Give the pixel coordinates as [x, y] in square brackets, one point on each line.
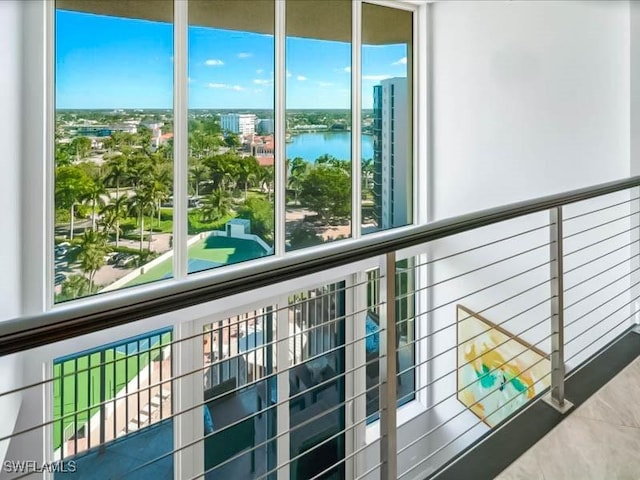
[94, 248]
[94, 196]
[297, 170]
[71, 185]
[116, 170]
[215, 206]
[113, 213]
[198, 173]
[140, 203]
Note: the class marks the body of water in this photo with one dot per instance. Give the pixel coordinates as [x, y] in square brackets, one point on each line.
[310, 146]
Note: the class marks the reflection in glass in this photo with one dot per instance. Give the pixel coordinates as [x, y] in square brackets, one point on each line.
[239, 388]
[316, 382]
[231, 132]
[405, 336]
[387, 106]
[318, 119]
[113, 147]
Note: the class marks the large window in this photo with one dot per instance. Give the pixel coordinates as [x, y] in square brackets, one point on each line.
[242, 196]
[318, 119]
[231, 133]
[113, 163]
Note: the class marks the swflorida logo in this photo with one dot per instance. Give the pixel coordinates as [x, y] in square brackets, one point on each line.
[33, 466]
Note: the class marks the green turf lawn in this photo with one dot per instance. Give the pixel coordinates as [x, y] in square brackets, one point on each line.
[80, 383]
[220, 250]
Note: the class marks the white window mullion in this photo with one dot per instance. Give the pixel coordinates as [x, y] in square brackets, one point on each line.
[280, 157]
[180, 138]
[356, 119]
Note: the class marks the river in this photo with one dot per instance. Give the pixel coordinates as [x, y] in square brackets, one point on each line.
[310, 146]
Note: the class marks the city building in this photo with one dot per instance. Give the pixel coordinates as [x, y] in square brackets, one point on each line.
[391, 153]
[238, 123]
[265, 126]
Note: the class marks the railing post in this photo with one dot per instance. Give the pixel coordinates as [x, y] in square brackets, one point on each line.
[556, 397]
[388, 372]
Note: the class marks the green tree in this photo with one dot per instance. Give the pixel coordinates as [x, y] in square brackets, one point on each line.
[215, 206]
[116, 171]
[260, 213]
[327, 191]
[94, 248]
[80, 147]
[297, 171]
[140, 204]
[72, 184]
[75, 286]
[198, 173]
[113, 213]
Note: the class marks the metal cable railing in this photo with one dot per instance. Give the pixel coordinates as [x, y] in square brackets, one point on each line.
[295, 385]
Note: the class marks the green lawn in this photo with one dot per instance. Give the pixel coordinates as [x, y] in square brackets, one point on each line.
[207, 253]
[77, 382]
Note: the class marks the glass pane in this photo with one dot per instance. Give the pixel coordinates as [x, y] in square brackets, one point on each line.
[316, 382]
[231, 135]
[116, 397]
[387, 118]
[240, 391]
[405, 336]
[318, 116]
[113, 145]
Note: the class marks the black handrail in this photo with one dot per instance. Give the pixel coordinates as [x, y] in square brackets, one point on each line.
[87, 316]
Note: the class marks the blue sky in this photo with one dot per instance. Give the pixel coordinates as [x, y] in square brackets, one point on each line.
[107, 62]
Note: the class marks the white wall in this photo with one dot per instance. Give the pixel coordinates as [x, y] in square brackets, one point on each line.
[529, 98]
[10, 127]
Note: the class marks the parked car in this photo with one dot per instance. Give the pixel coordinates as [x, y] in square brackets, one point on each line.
[128, 261]
[116, 258]
[109, 257]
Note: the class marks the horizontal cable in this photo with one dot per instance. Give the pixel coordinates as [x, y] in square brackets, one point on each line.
[590, 261]
[600, 209]
[477, 247]
[486, 309]
[591, 294]
[602, 224]
[597, 274]
[511, 257]
[504, 322]
[454, 394]
[437, 427]
[600, 337]
[480, 422]
[601, 241]
[605, 318]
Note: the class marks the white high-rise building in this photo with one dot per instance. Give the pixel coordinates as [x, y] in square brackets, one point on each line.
[391, 153]
[238, 123]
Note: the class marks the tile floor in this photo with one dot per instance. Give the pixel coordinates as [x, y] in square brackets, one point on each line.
[600, 440]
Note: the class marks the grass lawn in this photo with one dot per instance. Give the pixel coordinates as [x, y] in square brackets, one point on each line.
[207, 253]
[76, 385]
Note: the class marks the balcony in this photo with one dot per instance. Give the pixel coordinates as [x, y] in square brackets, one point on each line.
[401, 355]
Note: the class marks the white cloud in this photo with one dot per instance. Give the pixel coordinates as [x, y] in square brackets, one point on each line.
[214, 62]
[260, 71]
[402, 61]
[375, 78]
[288, 73]
[347, 69]
[245, 55]
[262, 81]
[301, 78]
[226, 86]
[325, 84]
